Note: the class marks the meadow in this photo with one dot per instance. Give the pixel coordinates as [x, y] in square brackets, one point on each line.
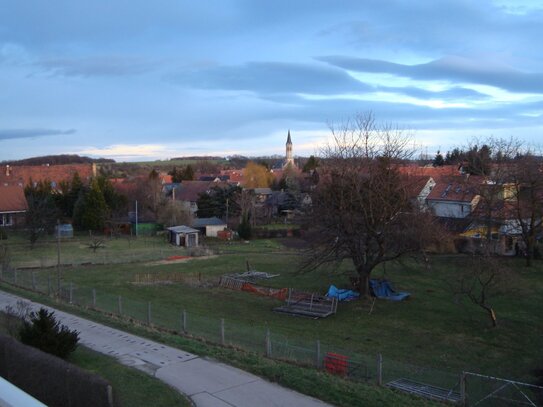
[433, 329]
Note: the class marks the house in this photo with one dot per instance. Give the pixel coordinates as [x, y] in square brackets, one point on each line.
[189, 192]
[183, 236]
[418, 188]
[13, 206]
[454, 197]
[261, 194]
[21, 175]
[209, 226]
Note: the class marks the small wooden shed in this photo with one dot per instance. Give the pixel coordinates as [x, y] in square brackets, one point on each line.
[209, 226]
[183, 236]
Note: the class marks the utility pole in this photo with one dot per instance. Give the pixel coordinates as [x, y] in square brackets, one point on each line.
[58, 256]
[227, 212]
[136, 218]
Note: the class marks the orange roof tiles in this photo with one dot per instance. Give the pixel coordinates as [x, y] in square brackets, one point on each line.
[459, 188]
[12, 199]
[21, 175]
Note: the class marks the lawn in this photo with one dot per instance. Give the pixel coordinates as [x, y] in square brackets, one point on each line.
[131, 388]
[431, 329]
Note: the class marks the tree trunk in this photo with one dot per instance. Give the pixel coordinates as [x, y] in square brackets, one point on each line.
[363, 283]
[492, 316]
[529, 251]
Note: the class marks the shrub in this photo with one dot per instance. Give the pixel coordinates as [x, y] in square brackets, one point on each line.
[44, 332]
[3, 234]
[244, 229]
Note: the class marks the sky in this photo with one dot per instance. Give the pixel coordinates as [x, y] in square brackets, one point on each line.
[143, 80]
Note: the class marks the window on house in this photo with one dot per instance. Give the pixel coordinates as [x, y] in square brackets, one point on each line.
[6, 219]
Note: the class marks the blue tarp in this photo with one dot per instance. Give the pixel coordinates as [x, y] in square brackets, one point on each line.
[383, 289]
[342, 294]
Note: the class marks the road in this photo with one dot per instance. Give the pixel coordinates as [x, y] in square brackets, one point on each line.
[207, 382]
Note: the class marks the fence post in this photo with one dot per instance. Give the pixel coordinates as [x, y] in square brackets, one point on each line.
[379, 369]
[463, 399]
[49, 285]
[185, 321]
[318, 354]
[93, 298]
[289, 296]
[149, 313]
[34, 281]
[222, 332]
[268, 344]
[71, 292]
[15, 276]
[120, 306]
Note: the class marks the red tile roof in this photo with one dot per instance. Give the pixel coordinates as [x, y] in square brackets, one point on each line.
[414, 184]
[459, 189]
[22, 174]
[190, 190]
[12, 199]
[235, 175]
[434, 172]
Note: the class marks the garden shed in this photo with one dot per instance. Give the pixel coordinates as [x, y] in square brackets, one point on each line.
[183, 236]
[210, 226]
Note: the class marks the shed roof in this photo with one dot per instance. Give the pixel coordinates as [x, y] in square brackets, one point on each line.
[182, 229]
[202, 222]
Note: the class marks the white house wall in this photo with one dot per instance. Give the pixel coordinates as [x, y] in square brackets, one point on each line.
[450, 209]
[212, 230]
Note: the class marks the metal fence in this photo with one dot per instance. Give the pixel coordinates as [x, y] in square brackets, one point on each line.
[464, 388]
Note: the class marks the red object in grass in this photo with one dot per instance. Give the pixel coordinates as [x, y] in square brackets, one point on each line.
[336, 364]
[178, 257]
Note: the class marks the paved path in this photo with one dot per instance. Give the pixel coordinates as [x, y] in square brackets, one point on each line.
[208, 383]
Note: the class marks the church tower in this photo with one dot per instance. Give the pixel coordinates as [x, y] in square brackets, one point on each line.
[289, 158]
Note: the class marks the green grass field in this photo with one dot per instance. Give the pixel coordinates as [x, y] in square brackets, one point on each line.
[429, 330]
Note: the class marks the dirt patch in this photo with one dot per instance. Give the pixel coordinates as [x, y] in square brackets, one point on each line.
[179, 260]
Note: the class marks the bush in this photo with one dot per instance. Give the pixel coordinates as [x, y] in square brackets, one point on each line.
[244, 229]
[3, 234]
[44, 332]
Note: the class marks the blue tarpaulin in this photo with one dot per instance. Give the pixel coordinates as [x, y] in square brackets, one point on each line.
[342, 294]
[383, 289]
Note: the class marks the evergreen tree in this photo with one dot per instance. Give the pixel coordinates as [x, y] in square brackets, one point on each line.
[42, 211]
[438, 160]
[114, 201]
[188, 173]
[311, 164]
[244, 228]
[91, 211]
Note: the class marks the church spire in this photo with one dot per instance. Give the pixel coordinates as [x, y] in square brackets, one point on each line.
[289, 159]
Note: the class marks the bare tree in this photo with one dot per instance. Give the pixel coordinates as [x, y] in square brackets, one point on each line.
[528, 203]
[495, 167]
[362, 209]
[481, 279]
[172, 213]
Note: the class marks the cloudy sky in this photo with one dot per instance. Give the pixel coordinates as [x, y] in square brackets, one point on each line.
[139, 80]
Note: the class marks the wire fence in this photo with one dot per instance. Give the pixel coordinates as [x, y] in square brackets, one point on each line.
[462, 388]
[92, 250]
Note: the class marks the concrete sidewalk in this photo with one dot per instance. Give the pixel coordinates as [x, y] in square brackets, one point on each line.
[208, 383]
